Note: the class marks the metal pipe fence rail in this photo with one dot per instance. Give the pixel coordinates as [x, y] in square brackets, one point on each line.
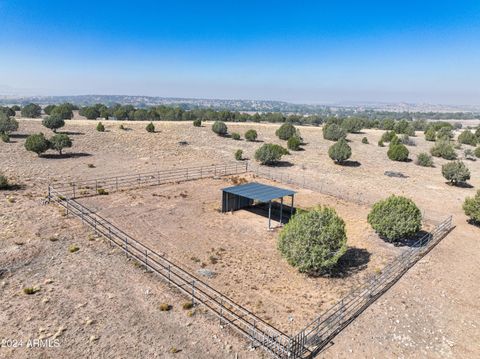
[327, 187]
[109, 184]
[309, 340]
[230, 313]
[319, 332]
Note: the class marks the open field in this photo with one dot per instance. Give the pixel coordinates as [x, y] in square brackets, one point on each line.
[432, 311]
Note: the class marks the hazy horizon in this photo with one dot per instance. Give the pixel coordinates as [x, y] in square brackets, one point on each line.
[307, 53]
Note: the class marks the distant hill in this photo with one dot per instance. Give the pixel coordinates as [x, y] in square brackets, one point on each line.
[237, 105]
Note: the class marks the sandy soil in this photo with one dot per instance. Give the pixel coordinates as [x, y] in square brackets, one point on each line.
[433, 311]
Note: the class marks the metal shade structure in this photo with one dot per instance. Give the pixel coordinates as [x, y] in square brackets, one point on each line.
[238, 197]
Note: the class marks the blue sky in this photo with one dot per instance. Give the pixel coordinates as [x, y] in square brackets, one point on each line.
[299, 51]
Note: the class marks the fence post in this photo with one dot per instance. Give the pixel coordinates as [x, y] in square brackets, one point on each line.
[193, 292]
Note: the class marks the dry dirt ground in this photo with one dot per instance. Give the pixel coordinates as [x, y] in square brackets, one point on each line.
[100, 305]
[183, 222]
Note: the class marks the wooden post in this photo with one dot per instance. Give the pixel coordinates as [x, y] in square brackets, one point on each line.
[291, 208]
[269, 214]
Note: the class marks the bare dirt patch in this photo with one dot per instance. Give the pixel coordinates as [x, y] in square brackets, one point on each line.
[184, 222]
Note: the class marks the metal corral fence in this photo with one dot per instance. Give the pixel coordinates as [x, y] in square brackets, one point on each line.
[329, 188]
[308, 341]
[109, 184]
[319, 332]
[230, 313]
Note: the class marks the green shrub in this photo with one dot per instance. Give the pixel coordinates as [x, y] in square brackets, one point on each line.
[395, 140]
[164, 307]
[333, 132]
[3, 182]
[286, 131]
[398, 152]
[445, 133]
[477, 152]
[468, 138]
[251, 135]
[388, 136]
[64, 111]
[150, 127]
[424, 160]
[60, 141]
[220, 128]
[469, 154]
[31, 110]
[269, 153]
[352, 124]
[380, 143]
[5, 137]
[238, 155]
[37, 143]
[313, 241]
[294, 143]
[197, 123]
[395, 218]
[7, 124]
[471, 207]
[340, 151]
[443, 149]
[73, 248]
[31, 290]
[90, 112]
[365, 140]
[456, 172]
[236, 136]
[431, 134]
[102, 192]
[100, 127]
[53, 122]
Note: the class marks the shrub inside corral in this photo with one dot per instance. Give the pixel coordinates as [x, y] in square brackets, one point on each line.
[150, 127]
[286, 131]
[471, 207]
[270, 154]
[313, 241]
[333, 132]
[395, 218]
[424, 160]
[365, 141]
[220, 128]
[398, 152]
[100, 127]
[444, 149]
[294, 143]
[197, 123]
[251, 135]
[340, 151]
[37, 143]
[456, 172]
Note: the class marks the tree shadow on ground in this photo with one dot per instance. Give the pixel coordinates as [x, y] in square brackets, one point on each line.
[281, 164]
[460, 184]
[14, 187]
[66, 155]
[353, 261]
[349, 163]
[411, 241]
[18, 135]
[70, 133]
